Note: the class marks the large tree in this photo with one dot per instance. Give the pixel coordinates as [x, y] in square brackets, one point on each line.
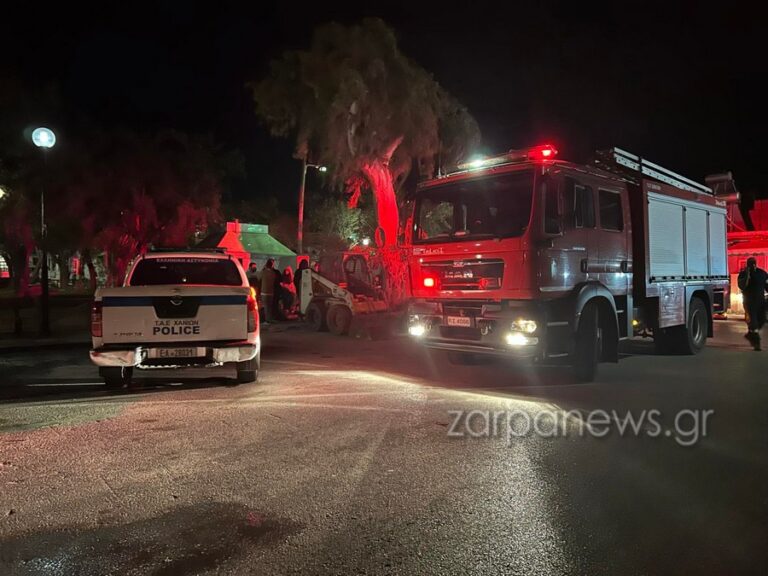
[355, 102]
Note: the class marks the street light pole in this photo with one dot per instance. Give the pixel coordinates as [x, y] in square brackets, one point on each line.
[44, 138]
[300, 228]
[45, 325]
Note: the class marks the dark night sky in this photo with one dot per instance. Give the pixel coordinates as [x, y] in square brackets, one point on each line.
[683, 87]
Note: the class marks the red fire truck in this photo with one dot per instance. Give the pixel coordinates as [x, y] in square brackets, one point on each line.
[527, 255]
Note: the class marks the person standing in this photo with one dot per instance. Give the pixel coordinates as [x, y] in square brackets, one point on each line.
[303, 265]
[753, 283]
[253, 275]
[268, 280]
[255, 282]
[288, 293]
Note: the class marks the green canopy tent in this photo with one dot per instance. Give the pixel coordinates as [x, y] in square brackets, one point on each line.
[251, 243]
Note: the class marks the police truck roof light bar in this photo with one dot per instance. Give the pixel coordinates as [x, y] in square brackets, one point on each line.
[646, 168]
[541, 153]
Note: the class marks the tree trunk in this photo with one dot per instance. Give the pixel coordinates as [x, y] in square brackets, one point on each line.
[392, 259]
[380, 179]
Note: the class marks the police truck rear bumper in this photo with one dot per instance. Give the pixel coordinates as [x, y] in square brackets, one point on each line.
[139, 356]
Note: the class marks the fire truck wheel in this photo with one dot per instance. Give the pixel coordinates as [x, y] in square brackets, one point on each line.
[688, 339]
[588, 345]
[316, 317]
[694, 337]
[339, 319]
[116, 377]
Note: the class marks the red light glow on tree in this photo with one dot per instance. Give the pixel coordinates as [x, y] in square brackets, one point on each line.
[355, 103]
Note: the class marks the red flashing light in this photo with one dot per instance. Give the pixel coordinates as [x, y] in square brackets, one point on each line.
[544, 152]
[430, 282]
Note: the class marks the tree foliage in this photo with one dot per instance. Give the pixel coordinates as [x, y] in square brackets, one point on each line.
[130, 191]
[355, 102]
[115, 192]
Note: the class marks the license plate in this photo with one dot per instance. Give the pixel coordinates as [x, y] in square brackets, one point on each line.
[176, 352]
[462, 321]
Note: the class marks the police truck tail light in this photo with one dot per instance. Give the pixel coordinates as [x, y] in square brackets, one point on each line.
[96, 315]
[253, 311]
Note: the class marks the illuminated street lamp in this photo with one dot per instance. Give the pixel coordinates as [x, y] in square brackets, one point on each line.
[300, 228]
[43, 138]
[2, 193]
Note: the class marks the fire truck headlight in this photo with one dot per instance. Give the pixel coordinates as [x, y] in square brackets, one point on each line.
[516, 339]
[416, 330]
[416, 326]
[522, 325]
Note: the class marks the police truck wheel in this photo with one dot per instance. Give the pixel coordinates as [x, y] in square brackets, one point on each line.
[316, 317]
[339, 319]
[588, 345]
[115, 378]
[248, 371]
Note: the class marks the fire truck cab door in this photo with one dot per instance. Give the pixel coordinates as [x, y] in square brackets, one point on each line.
[614, 268]
[579, 230]
[565, 256]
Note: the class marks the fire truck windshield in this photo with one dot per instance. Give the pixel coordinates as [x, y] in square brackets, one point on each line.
[489, 207]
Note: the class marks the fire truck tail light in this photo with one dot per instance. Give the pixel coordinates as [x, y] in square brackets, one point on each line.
[430, 282]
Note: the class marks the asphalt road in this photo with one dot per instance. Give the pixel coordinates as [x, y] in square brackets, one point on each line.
[369, 457]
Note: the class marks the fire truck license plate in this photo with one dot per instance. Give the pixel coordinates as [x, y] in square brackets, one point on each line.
[176, 352]
[462, 321]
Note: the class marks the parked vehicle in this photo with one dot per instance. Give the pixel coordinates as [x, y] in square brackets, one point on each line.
[527, 255]
[177, 310]
[345, 292]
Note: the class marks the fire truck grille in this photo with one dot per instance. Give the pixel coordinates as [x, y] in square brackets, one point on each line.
[458, 333]
[480, 274]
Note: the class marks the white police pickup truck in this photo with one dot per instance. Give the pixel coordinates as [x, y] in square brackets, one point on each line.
[177, 311]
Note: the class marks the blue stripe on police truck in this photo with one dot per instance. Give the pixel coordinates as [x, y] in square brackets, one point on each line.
[126, 301]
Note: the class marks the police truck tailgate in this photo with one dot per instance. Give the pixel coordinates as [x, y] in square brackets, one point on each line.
[168, 314]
